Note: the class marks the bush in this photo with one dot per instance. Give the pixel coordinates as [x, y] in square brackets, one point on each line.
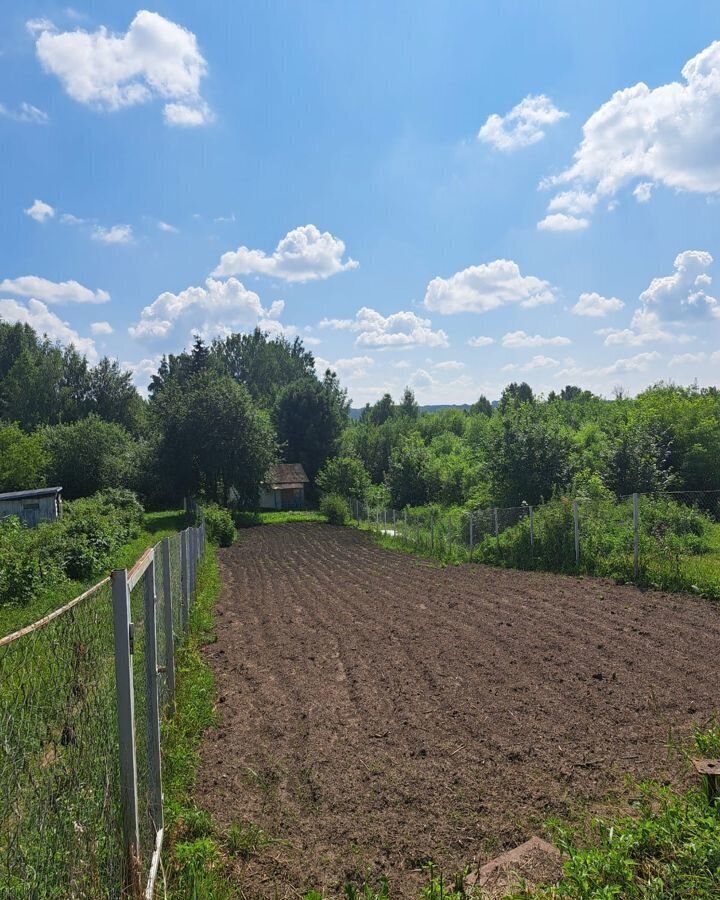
[346, 476]
[335, 509]
[220, 525]
[79, 546]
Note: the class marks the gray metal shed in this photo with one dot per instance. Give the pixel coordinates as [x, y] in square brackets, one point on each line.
[32, 507]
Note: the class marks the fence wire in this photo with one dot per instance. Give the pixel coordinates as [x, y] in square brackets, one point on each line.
[61, 816]
[663, 539]
[60, 825]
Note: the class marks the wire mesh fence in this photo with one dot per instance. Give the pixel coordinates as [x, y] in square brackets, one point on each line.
[665, 539]
[63, 783]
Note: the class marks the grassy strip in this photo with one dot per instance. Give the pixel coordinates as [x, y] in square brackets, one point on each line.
[156, 526]
[193, 864]
[277, 517]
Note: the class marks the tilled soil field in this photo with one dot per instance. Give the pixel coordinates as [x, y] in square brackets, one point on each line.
[378, 711]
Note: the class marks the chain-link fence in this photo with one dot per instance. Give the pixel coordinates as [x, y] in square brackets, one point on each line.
[665, 539]
[81, 696]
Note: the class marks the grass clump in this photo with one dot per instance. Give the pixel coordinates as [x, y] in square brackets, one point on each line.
[245, 840]
[220, 525]
[245, 519]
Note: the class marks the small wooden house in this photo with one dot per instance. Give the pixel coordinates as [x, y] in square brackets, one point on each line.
[284, 487]
[32, 507]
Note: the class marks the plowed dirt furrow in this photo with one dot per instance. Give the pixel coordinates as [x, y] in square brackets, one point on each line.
[378, 710]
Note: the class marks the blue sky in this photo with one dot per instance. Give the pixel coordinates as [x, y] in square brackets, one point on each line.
[450, 196]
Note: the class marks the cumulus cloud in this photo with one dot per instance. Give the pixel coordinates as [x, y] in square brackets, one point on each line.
[400, 330]
[518, 340]
[596, 306]
[166, 227]
[101, 328]
[665, 135]
[524, 125]
[155, 58]
[36, 314]
[575, 203]
[562, 222]
[118, 234]
[421, 378]
[217, 308]
[684, 293]
[645, 328]
[26, 113]
[52, 291]
[485, 287]
[304, 254]
[686, 359]
[449, 365]
[638, 363]
[481, 340]
[347, 368]
[537, 362]
[40, 211]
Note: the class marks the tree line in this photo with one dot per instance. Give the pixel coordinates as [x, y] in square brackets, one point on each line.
[215, 420]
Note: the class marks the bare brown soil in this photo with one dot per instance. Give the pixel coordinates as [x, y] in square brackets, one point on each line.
[378, 711]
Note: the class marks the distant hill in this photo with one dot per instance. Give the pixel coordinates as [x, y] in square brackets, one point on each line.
[432, 408]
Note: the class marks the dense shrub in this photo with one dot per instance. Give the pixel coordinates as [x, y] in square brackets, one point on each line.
[346, 476]
[220, 525]
[335, 509]
[79, 546]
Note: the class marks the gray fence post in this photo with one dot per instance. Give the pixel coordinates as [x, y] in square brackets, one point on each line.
[123, 635]
[432, 532]
[636, 537]
[576, 525]
[184, 580]
[449, 533]
[471, 535]
[385, 519]
[532, 533]
[153, 700]
[497, 531]
[168, 623]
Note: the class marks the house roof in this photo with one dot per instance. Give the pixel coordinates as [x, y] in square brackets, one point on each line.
[24, 495]
[286, 475]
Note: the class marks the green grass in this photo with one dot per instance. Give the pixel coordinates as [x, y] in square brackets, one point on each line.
[279, 517]
[193, 862]
[156, 526]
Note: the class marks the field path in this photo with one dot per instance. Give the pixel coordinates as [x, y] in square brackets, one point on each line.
[378, 710]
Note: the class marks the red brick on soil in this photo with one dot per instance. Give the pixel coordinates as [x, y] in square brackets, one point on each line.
[378, 710]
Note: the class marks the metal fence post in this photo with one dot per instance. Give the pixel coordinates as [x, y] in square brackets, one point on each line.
[471, 535]
[532, 534]
[153, 701]
[636, 538]
[576, 525]
[168, 623]
[449, 533]
[184, 581]
[432, 532]
[124, 645]
[497, 531]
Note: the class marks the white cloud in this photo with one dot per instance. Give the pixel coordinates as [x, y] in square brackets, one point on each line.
[70, 219]
[422, 379]
[683, 293]
[40, 211]
[645, 328]
[118, 234]
[537, 362]
[349, 368]
[400, 330]
[643, 191]
[155, 58]
[169, 229]
[304, 254]
[101, 328]
[638, 363]
[36, 314]
[524, 125]
[480, 341]
[485, 287]
[449, 365]
[596, 306]
[217, 308]
[517, 340]
[573, 202]
[686, 359]
[52, 291]
[562, 222]
[667, 135]
[143, 370]
[401, 364]
[27, 114]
